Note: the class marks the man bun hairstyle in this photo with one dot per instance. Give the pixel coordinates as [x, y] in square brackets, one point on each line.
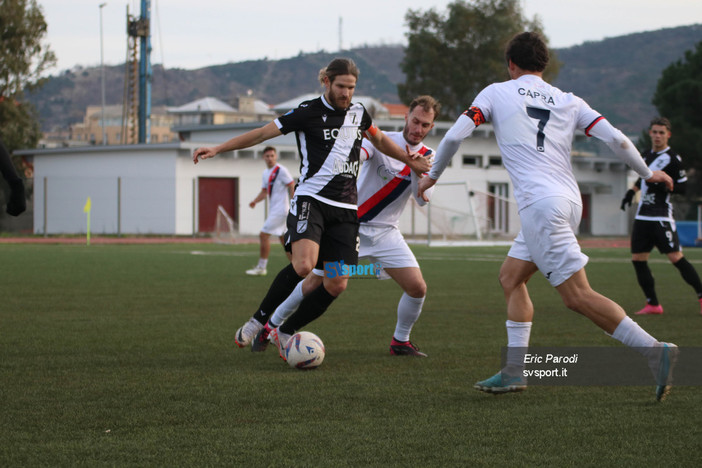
[427, 103]
[661, 121]
[528, 51]
[338, 66]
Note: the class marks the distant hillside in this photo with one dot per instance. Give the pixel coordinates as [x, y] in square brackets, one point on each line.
[617, 76]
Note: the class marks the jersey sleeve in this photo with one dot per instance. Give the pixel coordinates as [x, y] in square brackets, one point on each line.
[367, 150]
[293, 120]
[587, 117]
[285, 176]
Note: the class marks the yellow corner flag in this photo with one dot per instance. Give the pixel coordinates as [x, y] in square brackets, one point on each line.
[86, 209]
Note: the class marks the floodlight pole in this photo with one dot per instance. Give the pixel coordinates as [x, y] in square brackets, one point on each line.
[102, 72]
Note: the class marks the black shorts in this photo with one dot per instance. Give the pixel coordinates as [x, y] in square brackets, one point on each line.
[334, 229]
[648, 234]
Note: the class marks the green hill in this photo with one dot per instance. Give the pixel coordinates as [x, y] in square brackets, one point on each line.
[617, 76]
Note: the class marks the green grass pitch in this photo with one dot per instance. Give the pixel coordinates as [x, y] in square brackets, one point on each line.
[123, 355]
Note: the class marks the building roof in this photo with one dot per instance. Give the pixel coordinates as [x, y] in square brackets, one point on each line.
[206, 104]
[368, 102]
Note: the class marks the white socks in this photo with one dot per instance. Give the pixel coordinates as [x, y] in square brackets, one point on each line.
[262, 263]
[288, 306]
[408, 310]
[631, 334]
[517, 342]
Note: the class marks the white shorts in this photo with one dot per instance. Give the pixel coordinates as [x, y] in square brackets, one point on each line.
[384, 245]
[275, 224]
[547, 238]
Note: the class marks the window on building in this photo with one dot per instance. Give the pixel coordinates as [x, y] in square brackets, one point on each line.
[495, 161]
[472, 160]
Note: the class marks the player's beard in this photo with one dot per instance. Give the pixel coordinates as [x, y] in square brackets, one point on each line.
[337, 102]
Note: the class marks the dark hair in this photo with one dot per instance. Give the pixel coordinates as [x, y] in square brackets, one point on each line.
[528, 51]
[427, 103]
[661, 121]
[269, 148]
[338, 66]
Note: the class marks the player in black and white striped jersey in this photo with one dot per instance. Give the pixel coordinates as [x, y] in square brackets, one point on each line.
[322, 223]
[654, 224]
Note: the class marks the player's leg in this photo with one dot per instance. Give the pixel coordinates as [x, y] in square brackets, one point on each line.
[339, 242]
[305, 251]
[515, 272]
[409, 308]
[643, 239]
[288, 307]
[687, 271]
[577, 295]
[273, 226]
[387, 248]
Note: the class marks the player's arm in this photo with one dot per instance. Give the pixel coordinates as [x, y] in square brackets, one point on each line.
[247, 140]
[291, 189]
[626, 151]
[464, 126]
[260, 197]
[385, 145]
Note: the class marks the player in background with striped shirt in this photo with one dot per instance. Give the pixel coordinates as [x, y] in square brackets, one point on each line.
[278, 187]
[654, 224]
[534, 125]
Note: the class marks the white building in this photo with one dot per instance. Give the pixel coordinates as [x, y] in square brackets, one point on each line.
[156, 189]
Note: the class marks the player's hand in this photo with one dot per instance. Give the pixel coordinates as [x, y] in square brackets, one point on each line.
[424, 184]
[17, 203]
[418, 163]
[252, 204]
[203, 153]
[662, 177]
[626, 201]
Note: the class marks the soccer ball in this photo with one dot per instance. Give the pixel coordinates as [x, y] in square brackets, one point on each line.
[304, 350]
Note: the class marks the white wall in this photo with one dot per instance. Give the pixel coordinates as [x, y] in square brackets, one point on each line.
[143, 176]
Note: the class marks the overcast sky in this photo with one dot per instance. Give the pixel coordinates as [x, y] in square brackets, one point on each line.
[197, 33]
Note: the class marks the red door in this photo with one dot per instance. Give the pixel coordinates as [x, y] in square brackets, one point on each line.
[215, 191]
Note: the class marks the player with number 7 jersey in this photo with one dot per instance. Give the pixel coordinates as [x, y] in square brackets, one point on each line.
[534, 125]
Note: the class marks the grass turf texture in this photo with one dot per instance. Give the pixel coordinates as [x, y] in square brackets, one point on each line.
[124, 355]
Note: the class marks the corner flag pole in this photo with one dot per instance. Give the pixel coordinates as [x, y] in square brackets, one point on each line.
[86, 209]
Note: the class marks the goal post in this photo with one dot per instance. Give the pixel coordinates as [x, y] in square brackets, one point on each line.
[226, 229]
[458, 214]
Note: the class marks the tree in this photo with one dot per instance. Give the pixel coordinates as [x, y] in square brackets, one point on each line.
[453, 56]
[678, 97]
[23, 60]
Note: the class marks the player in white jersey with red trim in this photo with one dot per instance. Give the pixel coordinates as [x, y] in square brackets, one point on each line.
[277, 185]
[384, 187]
[534, 125]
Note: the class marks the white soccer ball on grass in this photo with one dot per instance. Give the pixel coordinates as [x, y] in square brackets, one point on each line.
[304, 350]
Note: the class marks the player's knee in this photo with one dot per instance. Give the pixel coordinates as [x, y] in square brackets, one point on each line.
[302, 267]
[336, 286]
[417, 289]
[507, 282]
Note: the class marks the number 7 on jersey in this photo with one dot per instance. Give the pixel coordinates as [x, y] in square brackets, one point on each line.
[542, 115]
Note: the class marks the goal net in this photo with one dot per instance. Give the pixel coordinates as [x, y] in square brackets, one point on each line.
[458, 214]
[226, 230]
